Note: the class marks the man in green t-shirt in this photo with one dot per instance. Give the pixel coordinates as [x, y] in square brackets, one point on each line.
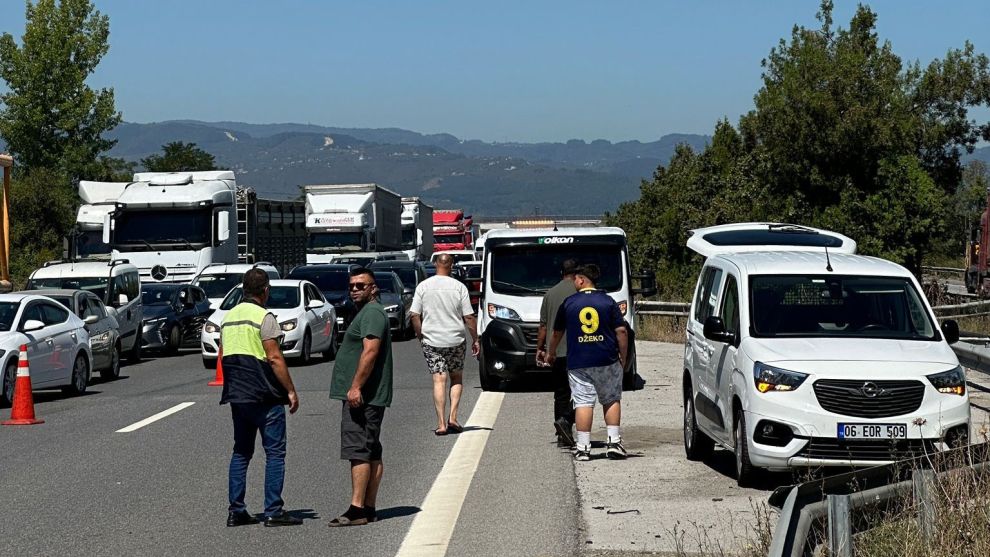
[362, 380]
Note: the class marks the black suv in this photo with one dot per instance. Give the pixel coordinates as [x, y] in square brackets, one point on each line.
[411, 273]
[332, 280]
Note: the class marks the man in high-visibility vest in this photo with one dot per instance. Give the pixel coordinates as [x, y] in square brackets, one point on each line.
[257, 385]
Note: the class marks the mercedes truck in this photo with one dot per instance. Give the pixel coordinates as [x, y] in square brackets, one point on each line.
[85, 241]
[347, 218]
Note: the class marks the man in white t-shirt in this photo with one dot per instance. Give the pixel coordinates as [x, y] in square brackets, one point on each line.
[441, 308]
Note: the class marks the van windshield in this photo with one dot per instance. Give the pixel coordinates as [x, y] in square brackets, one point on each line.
[532, 270]
[838, 306]
[96, 285]
[217, 286]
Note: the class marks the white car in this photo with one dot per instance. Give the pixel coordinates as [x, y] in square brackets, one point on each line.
[307, 319]
[800, 353]
[57, 344]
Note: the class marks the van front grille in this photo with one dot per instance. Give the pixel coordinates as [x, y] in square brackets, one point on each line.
[869, 398]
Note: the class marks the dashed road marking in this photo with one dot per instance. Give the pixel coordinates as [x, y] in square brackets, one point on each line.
[433, 526]
[152, 419]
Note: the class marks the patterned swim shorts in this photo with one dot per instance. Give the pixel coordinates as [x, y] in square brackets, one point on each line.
[445, 360]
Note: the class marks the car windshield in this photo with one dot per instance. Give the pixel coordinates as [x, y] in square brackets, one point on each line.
[532, 270]
[838, 306]
[96, 285]
[170, 230]
[471, 271]
[330, 240]
[279, 297]
[157, 295]
[217, 286]
[326, 281]
[384, 282]
[8, 310]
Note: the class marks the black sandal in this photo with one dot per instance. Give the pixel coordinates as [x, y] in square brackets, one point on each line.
[439, 433]
[344, 521]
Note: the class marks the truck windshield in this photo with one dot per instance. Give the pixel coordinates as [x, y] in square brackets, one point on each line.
[838, 306]
[279, 297]
[332, 240]
[532, 270]
[169, 230]
[217, 286]
[409, 237]
[90, 243]
[448, 238]
[96, 285]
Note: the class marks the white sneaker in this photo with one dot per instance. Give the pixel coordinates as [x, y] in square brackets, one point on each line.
[614, 449]
[582, 454]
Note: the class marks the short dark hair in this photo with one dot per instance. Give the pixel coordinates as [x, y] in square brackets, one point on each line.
[357, 271]
[567, 267]
[589, 270]
[254, 283]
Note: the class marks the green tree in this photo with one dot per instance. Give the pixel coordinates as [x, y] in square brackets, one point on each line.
[43, 209]
[50, 118]
[177, 157]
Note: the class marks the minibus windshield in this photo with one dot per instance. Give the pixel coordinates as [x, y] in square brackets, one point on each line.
[529, 270]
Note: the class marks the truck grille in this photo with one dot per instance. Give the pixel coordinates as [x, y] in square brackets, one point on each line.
[826, 448]
[851, 397]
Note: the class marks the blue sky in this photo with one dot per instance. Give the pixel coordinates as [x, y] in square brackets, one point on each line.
[500, 71]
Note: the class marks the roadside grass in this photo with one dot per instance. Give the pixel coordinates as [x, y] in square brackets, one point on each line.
[753, 538]
[660, 328]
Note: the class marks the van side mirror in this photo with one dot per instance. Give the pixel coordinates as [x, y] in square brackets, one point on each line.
[950, 330]
[647, 284]
[122, 299]
[715, 330]
[223, 226]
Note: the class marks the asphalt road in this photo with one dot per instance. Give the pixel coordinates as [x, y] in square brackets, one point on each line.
[76, 486]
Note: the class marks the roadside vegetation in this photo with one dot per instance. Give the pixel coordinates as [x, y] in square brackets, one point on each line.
[844, 135]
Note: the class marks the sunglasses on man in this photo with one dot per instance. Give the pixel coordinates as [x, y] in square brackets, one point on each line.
[359, 286]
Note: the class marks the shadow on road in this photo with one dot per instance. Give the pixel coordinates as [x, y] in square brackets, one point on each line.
[396, 512]
[41, 397]
[724, 462]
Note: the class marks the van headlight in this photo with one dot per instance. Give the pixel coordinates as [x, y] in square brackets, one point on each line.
[769, 378]
[496, 311]
[952, 382]
[211, 328]
[289, 325]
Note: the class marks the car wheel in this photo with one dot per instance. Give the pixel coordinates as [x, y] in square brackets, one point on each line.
[331, 351]
[9, 378]
[488, 381]
[134, 356]
[113, 372]
[745, 471]
[174, 340]
[305, 352]
[697, 445]
[80, 376]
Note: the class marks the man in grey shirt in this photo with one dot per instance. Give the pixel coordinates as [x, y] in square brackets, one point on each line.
[563, 410]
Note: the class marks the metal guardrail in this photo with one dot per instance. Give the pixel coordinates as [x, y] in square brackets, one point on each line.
[668, 309]
[942, 269]
[682, 309]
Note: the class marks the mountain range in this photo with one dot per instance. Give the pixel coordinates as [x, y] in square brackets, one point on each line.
[493, 179]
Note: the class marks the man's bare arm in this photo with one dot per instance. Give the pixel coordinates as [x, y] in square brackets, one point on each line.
[417, 323]
[623, 337]
[554, 341]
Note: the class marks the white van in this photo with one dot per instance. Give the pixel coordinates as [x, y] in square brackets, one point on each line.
[116, 282]
[800, 353]
[217, 279]
[518, 269]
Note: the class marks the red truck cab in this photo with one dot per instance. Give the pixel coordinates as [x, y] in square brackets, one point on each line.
[452, 230]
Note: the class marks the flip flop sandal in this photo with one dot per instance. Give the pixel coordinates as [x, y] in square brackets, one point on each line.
[439, 433]
[344, 521]
[454, 427]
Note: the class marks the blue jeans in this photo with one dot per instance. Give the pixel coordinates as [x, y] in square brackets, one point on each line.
[248, 420]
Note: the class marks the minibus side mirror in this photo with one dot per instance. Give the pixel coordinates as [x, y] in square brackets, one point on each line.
[950, 330]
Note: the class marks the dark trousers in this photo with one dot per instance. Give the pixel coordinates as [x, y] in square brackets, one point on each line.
[562, 406]
[249, 419]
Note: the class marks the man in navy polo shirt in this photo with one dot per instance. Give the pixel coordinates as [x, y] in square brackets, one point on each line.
[596, 355]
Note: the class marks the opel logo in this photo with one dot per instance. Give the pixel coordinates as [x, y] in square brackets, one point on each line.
[159, 272]
[871, 390]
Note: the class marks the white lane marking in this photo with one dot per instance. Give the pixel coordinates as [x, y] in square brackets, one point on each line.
[433, 526]
[151, 419]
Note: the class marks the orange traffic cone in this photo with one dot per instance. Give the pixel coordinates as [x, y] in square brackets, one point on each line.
[218, 381]
[22, 412]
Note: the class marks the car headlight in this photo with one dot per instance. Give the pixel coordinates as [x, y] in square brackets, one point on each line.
[156, 322]
[502, 312]
[769, 378]
[289, 325]
[211, 327]
[392, 308]
[952, 382]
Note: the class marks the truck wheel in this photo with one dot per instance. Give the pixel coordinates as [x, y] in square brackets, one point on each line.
[697, 445]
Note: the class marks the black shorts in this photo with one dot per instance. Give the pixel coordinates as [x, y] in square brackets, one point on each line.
[360, 431]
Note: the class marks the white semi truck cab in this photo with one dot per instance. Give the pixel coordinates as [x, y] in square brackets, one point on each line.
[86, 239]
[417, 229]
[345, 218]
[172, 225]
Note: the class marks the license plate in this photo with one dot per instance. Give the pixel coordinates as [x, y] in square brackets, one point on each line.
[872, 431]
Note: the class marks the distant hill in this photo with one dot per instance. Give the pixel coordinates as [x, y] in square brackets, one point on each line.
[486, 178]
